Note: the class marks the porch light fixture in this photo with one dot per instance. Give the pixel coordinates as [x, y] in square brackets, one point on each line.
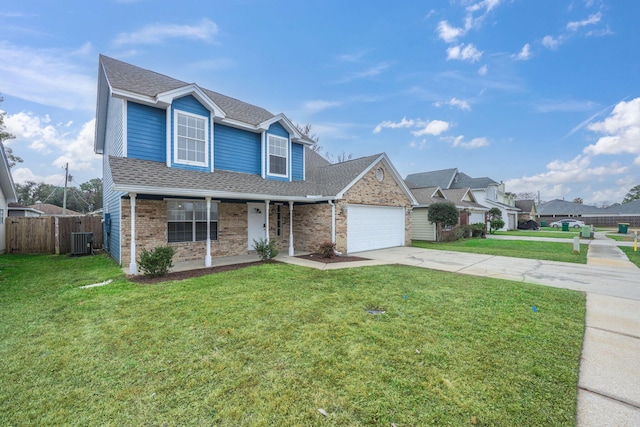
[343, 208]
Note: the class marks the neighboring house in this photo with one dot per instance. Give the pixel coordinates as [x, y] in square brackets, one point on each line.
[560, 209]
[462, 198]
[527, 210]
[208, 174]
[7, 195]
[48, 209]
[627, 213]
[16, 209]
[485, 191]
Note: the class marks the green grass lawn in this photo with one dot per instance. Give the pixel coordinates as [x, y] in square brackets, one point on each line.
[546, 232]
[621, 237]
[634, 256]
[271, 344]
[551, 251]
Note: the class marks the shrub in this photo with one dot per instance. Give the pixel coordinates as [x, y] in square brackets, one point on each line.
[477, 229]
[495, 224]
[265, 248]
[157, 261]
[460, 232]
[444, 213]
[327, 249]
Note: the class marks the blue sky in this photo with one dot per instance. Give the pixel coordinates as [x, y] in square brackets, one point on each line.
[544, 95]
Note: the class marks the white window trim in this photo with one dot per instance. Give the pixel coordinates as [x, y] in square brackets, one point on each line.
[207, 138]
[287, 158]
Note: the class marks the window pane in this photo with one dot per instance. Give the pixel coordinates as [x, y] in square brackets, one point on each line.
[278, 165]
[179, 231]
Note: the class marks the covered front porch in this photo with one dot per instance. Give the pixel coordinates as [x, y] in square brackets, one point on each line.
[224, 230]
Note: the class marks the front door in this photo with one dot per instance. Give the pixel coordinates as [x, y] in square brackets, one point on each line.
[255, 223]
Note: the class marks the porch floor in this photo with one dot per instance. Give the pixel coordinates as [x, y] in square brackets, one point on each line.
[219, 261]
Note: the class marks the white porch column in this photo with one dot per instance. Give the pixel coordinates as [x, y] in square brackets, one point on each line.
[207, 258]
[266, 220]
[291, 228]
[133, 265]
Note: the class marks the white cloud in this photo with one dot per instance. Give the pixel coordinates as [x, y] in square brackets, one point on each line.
[425, 127]
[204, 31]
[44, 137]
[485, 4]
[458, 141]
[621, 131]
[455, 102]
[483, 70]
[591, 20]
[560, 175]
[524, 54]
[53, 77]
[434, 127]
[464, 53]
[313, 107]
[448, 33]
[370, 72]
[22, 175]
[550, 42]
[404, 123]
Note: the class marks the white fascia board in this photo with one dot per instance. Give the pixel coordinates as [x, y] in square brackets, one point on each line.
[240, 125]
[140, 99]
[286, 123]
[183, 192]
[194, 90]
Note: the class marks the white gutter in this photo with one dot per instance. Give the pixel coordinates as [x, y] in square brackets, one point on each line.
[181, 192]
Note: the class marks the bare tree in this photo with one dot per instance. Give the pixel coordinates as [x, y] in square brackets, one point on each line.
[578, 200]
[306, 131]
[527, 195]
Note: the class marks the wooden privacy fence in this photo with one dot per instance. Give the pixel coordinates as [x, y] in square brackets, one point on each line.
[47, 234]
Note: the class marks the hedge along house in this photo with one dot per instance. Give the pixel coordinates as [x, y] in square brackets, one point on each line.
[208, 175]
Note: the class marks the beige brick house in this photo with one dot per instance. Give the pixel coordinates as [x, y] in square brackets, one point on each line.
[208, 175]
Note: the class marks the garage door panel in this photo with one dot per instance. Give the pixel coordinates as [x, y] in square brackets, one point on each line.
[374, 227]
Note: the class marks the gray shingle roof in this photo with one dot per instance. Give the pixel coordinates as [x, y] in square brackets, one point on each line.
[629, 208]
[427, 195]
[440, 178]
[124, 76]
[322, 178]
[563, 207]
[462, 180]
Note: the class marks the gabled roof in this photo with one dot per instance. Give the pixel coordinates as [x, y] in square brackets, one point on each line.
[629, 208]
[127, 81]
[428, 195]
[462, 180]
[13, 206]
[526, 205]
[441, 178]
[53, 210]
[324, 181]
[563, 207]
[459, 196]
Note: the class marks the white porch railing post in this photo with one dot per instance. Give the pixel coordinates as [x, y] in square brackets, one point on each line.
[207, 258]
[291, 251]
[133, 265]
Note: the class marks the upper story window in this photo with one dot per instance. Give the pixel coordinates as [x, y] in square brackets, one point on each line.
[278, 155]
[191, 139]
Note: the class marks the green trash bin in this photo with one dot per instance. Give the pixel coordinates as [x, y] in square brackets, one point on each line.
[623, 228]
[543, 224]
[565, 226]
[586, 232]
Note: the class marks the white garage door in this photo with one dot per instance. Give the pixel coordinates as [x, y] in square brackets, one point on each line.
[374, 227]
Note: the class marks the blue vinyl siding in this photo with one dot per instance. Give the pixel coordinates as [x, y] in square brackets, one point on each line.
[191, 105]
[236, 150]
[146, 132]
[297, 162]
[111, 204]
[279, 130]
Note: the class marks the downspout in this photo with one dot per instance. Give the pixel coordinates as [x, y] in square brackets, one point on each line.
[333, 225]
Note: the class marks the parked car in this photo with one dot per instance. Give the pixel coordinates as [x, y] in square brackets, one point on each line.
[572, 223]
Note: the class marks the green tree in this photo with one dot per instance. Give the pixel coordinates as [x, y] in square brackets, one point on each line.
[5, 136]
[633, 194]
[495, 220]
[445, 214]
[85, 199]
